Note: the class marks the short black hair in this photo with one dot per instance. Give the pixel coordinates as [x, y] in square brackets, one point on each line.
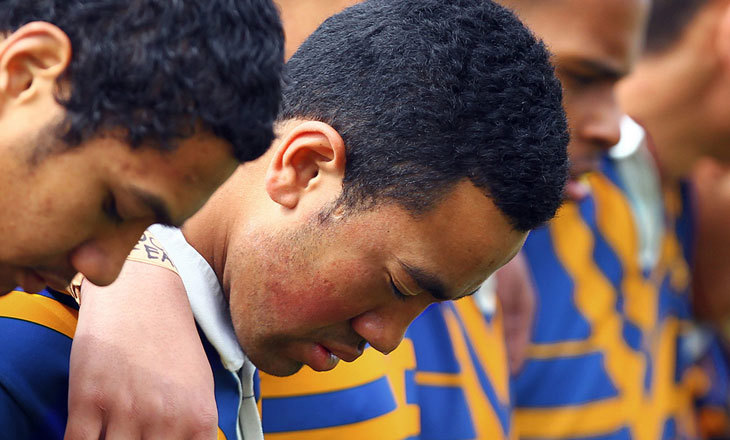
[427, 93]
[158, 70]
[667, 22]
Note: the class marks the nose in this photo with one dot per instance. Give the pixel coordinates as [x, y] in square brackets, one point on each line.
[602, 127]
[384, 327]
[101, 258]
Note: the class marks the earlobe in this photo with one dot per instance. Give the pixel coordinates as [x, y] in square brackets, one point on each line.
[37, 53]
[310, 155]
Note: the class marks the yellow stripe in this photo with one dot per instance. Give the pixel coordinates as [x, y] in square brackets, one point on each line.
[586, 420]
[561, 349]
[618, 227]
[221, 436]
[666, 398]
[595, 297]
[438, 379]
[488, 342]
[41, 310]
[486, 422]
[402, 423]
[371, 366]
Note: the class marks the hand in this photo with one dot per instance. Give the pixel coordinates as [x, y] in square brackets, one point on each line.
[138, 368]
[517, 298]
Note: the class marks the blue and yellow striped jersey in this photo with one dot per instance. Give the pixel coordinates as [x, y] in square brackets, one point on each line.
[604, 360]
[35, 349]
[462, 377]
[447, 380]
[369, 398]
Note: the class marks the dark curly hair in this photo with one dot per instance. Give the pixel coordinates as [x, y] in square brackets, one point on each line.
[158, 70]
[427, 93]
[668, 20]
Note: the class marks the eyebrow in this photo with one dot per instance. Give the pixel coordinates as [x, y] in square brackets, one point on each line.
[154, 204]
[597, 68]
[429, 282]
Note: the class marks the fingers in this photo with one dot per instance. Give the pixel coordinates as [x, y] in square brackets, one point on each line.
[85, 416]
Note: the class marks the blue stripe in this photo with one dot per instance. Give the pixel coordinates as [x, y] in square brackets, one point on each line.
[439, 404]
[502, 411]
[649, 372]
[545, 383]
[411, 388]
[603, 255]
[34, 365]
[556, 317]
[432, 343]
[325, 410]
[621, 434]
[608, 169]
[227, 396]
[685, 225]
[669, 431]
[719, 389]
[257, 386]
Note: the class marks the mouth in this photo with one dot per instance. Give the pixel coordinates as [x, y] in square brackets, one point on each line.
[32, 280]
[326, 357]
[344, 352]
[584, 165]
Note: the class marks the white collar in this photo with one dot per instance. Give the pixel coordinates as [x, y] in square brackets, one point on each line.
[209, 306]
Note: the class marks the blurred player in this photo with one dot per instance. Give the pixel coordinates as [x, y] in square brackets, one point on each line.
[117, 115]
[679, 94]
[584, 376]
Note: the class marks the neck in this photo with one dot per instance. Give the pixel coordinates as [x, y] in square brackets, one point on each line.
[228, 212]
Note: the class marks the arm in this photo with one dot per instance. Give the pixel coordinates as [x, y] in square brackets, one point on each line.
[138, 369]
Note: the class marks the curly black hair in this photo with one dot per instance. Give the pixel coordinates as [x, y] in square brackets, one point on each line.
[427, 93]
[158, 70]
[668, 20]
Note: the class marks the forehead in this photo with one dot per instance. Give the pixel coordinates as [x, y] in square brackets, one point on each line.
[605, 31]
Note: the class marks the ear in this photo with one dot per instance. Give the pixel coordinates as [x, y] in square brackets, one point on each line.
[310, 156]
[31, 59]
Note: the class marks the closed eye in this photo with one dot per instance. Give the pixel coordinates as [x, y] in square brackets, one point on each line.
[109, 207]
[398, 294]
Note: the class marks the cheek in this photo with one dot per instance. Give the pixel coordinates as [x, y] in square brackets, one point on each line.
[321, 299]
[48, 224]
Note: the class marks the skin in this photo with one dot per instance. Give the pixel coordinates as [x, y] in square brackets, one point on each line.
[594, 44]
[301, 291]
[141, 399]
[81, 209]
[687, 122]
[689, 83]
[302, 17]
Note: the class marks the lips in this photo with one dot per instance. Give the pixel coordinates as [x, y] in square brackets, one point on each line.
[32, 280]
[344, 352]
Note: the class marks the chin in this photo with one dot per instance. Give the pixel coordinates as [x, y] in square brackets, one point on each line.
[277, 367]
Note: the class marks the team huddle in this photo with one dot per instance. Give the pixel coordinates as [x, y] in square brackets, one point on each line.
[377, 219]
